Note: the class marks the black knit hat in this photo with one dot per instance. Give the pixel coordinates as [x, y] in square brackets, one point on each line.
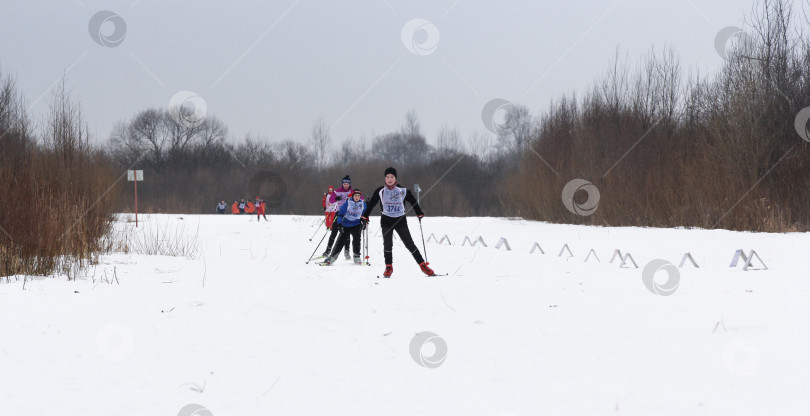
[391, 171]
[347, 179]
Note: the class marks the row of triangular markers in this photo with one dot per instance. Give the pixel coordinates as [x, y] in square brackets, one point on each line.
[626, 259]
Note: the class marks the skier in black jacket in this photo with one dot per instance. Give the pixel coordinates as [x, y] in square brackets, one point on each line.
[392, 198]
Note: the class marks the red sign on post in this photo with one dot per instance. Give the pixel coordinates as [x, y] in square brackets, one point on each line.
[135, 176]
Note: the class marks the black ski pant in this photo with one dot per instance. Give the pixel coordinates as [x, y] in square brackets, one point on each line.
[343, 239]
[340, 244]
[400, 225]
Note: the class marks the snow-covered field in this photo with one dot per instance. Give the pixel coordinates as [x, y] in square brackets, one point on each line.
[245, 327]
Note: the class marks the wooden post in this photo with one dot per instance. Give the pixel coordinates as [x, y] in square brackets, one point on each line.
[136, 199]
[132, 175]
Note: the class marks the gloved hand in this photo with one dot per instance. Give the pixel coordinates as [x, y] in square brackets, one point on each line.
[337, 198]
[364, 221]
[420, 217]
[338, 227]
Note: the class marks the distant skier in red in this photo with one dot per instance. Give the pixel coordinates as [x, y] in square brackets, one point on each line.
[329, 209]
[392, 197]
[260, 209]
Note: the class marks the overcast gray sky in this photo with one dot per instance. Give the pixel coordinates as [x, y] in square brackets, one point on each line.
[271, 68]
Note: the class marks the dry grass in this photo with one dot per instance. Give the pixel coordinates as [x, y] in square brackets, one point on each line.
[56, 191]
[157, 239]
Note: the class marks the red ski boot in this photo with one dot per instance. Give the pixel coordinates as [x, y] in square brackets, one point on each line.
[389, 270]
[425, 269]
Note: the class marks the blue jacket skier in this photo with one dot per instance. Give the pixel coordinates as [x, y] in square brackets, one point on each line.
[348, 224]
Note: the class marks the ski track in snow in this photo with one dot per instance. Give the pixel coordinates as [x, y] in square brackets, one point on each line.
[246, 327]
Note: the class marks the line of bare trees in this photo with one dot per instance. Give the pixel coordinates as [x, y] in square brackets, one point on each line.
[712, 152]
[190, 170]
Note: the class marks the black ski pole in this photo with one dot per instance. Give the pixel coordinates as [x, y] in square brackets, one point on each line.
[318, 246]
[423, 239]
[316, 229]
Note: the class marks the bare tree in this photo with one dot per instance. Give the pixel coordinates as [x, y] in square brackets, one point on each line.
[255, 151]
[149, 131]
[145, 135]
[352, 151]
[213, 131]
[320, 143]
[411, 128]
[449, 142]
[157, 135]
[480, 145]
[122, 149]
[405, 147]
[516, 130]
[66, 133]
[294, 154]
[181, 134]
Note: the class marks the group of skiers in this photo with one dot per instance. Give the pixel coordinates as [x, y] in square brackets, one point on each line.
[259, 207]
[347, 214]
